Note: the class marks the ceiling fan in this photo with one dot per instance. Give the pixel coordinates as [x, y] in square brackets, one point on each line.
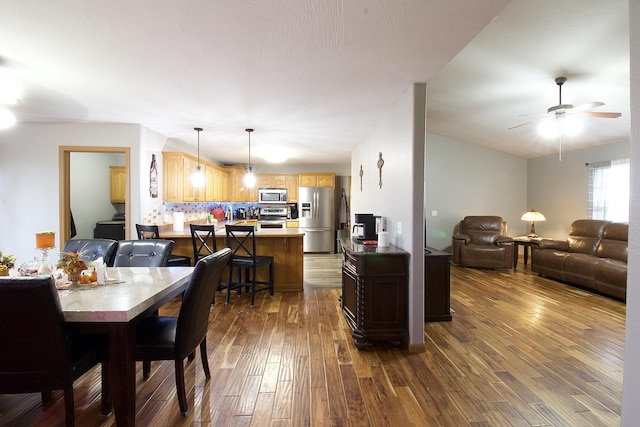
[562, 111]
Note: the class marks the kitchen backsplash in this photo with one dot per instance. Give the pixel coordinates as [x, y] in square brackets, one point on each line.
[163, 214]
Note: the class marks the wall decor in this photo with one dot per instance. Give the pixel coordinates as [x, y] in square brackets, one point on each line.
[361, 173]
[153, 177]
[380, 164]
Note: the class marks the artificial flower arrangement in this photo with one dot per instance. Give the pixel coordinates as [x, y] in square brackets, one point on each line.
[71, 262]
[7, 262]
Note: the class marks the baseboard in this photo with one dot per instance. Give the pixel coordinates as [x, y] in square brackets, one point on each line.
[416, 348]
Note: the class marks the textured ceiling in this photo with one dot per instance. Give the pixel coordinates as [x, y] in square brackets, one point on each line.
[315, 76]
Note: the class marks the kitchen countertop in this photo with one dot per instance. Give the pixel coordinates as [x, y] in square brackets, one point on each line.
[168, 232]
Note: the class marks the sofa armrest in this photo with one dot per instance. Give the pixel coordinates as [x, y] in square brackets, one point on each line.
[504, 241]
[462, 238]
[561, 245]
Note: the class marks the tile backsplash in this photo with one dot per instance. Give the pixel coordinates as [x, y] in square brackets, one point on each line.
[163, 214]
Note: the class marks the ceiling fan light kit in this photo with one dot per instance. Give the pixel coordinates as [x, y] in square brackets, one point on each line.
[565, 119]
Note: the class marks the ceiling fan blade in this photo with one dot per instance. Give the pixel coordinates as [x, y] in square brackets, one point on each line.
[597, 115]
[587, 106]
[520, 125]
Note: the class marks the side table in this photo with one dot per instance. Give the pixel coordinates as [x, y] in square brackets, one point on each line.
[526, 242]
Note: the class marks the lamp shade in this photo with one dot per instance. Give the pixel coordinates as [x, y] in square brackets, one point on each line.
[45, 240]
[532, 216]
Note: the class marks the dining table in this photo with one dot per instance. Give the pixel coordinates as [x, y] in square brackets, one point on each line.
[114, 308]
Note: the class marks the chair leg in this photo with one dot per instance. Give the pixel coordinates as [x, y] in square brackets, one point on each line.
[46, 396]
[180, 388]
[229, 285]
[107, 401]
[204, 357]
[192, 355]
[69, 415]
[146, 369]
[271, 279]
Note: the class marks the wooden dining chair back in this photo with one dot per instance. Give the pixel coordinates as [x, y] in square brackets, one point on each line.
[241, 239]
[38, 353]
[153, 232]
[93, 249]
[175, 338]
[143, 253]
[203, 238]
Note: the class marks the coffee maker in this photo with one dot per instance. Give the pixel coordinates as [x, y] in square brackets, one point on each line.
[366, 224]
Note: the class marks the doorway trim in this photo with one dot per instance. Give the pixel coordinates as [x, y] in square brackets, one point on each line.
[64, 159]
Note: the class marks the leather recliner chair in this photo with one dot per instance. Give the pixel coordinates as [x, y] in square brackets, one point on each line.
[482, 242]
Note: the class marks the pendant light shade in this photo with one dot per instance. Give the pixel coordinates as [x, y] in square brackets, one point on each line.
[197, 178]
[249, 178]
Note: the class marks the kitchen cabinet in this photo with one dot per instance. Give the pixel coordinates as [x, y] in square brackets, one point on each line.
[239, 192]
[317, 180]
[176, 177]
[190, 193]
[291, 182]
[437, 285]
[293, 223]
[271, 181]
[172, 175]
[118, 180]
[217, 184]
[374, 299]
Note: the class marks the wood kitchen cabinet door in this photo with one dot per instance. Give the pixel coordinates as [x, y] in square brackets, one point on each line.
[172, 177]
[292, 188]
[118, 184]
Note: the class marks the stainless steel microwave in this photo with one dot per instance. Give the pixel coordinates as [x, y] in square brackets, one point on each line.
[272, 195]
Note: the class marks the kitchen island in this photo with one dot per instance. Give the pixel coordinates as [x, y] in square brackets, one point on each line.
[284, 244]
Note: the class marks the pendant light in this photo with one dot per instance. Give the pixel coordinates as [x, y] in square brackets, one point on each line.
[197, 178]
[249, 178]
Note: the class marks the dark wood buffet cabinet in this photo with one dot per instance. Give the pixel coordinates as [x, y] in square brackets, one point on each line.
[375, 293]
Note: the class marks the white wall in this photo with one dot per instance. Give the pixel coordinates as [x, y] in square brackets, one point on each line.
[400, 138]
[29, 170]
[90, 198]
[631, 391]
[465, 179]
[559, 189]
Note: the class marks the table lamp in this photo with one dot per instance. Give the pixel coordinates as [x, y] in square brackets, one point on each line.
[532, 216]
[45, 241]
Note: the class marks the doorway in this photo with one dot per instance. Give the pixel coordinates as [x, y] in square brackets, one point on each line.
[64, 155]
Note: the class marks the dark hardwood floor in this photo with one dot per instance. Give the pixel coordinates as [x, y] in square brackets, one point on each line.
[521, 351]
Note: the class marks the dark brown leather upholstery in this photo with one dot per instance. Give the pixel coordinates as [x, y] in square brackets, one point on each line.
[153, 232]
[93, 249]
[482, 242]
[143, 253]
[594, 256]
[39, 353]
[174, 338]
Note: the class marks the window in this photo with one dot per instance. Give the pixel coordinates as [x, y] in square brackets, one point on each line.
[609, 190]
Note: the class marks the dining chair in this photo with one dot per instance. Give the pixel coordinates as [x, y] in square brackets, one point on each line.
[203, 238]
[174, 338]
[142, 253]
[152, 232]
[241, 239]
[93, 249]
[39, 353]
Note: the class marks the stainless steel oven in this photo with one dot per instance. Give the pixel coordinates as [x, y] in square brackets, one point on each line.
[272, 217]
[272, 195]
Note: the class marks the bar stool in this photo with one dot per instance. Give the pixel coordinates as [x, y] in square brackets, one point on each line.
[152, 232]
[241, 239]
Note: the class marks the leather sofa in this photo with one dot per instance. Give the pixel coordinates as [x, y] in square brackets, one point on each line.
[594, 256]
[482, 242]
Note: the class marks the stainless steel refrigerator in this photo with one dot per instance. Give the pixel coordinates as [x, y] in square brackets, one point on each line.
[316, 216]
